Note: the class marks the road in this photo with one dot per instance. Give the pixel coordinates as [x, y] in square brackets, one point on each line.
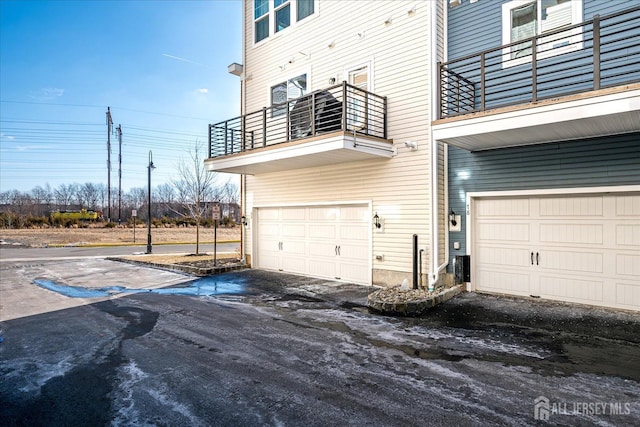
[10, 254]
[269, 349]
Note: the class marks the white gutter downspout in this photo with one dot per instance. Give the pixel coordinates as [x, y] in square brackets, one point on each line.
[435, 268]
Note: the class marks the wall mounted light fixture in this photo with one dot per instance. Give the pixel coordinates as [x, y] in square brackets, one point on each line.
[243, 220]
[452, 218]
[376, 221]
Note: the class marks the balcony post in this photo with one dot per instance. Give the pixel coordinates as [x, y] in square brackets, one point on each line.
[482, 83]
[439, 93]
[345, 106]
[313, 114]
[210, 154]
[264, 126]
[288, 122]
[596, 52]
[243, 138]
[384, 117]
[226, 143]
[534, 69]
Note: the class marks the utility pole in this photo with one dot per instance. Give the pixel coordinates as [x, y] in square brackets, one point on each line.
[119, 129]
[109, 124]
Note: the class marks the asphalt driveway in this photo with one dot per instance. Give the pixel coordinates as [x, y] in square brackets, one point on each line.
[260, 348]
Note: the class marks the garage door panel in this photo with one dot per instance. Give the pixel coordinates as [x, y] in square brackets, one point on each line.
[571, 261]
[628, 265]
[628, 235]
[503, 257]
[320, 249]
[295, 231]
[588, 206]
[323, 214]
[584, 290]
[293, 214]
[294, 264]
[357, 214]
[320, 268]
[628, 295]
[504, 282]
[323, 232]
[581, 234]
[500, 208]
[503, 231]
[352, 272]
[628, 205]
[354, 233]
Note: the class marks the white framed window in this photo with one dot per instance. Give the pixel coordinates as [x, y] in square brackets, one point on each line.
[272, 16]
[523, 19]
[359, 113]
[281, 93]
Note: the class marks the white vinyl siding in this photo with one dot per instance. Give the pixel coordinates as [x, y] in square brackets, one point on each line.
[326, 47]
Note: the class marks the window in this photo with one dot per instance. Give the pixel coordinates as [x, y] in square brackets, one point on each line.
[283, 14]
[305, 8]
[523, 19]
[261, 16]
[286, 91]
[273, 16]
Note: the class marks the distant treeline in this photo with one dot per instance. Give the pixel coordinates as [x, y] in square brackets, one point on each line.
[34, 208]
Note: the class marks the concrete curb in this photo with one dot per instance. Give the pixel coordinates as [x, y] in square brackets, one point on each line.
[194, 271]
[101, 245]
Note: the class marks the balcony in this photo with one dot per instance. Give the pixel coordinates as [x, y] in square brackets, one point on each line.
[576, 82]
[335, 125]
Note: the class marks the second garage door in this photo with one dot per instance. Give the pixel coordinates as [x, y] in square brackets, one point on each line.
[322, 241]
[583, 248]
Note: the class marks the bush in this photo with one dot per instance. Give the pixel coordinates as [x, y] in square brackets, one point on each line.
[110, 225]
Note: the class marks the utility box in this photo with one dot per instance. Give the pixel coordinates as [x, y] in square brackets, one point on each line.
[462, 268]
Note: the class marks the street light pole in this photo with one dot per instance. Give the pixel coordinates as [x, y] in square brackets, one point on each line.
[151, 166]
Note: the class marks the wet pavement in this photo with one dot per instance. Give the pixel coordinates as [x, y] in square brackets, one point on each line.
[276, 349]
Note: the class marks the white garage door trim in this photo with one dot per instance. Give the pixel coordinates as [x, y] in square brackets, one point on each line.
[625, 290]
[315, 247]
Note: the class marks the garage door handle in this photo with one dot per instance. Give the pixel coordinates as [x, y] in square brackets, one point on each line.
[537, 258]
[531, 258]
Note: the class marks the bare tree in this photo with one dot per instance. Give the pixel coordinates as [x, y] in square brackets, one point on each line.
[90, 194]
[166, 198]
[64, 195]
[194, 188]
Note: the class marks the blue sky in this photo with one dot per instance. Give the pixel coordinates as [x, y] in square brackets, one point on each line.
[161, 66]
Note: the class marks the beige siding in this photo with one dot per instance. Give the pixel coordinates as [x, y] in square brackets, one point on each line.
[398, 189]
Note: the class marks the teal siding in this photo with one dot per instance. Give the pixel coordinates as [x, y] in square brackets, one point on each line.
[594, 162]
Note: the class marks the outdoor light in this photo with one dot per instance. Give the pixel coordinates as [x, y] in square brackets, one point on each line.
[149, 168]
[452, 218]
[243, 220]
[376, 220]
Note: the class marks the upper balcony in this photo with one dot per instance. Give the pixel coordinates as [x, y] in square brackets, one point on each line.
[576, 82]
[335, 125]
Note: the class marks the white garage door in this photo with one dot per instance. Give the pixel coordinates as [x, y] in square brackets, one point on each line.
[322, 241]
[583, 248]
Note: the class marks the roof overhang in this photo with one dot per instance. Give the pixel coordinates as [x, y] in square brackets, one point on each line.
[597, 113]
[339, 147]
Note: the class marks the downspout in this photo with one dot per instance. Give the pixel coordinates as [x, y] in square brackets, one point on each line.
[435, 268]
[243, 177]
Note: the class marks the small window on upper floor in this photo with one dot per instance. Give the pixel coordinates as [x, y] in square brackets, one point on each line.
[523, 19]
[304, 9]
[273, 16]
[261, 17]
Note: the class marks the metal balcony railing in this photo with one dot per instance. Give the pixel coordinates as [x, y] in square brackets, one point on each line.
[338, 108]
[599, 53]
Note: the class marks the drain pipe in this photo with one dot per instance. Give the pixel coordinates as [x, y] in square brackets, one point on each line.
[435, 268]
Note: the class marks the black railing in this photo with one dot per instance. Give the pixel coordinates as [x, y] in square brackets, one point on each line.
[338, 108]
[600, 53]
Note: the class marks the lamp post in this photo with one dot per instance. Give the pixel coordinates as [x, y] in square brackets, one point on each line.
[149, 168]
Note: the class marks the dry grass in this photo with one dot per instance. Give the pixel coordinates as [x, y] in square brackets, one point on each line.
[90, 236]
[180, 259]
